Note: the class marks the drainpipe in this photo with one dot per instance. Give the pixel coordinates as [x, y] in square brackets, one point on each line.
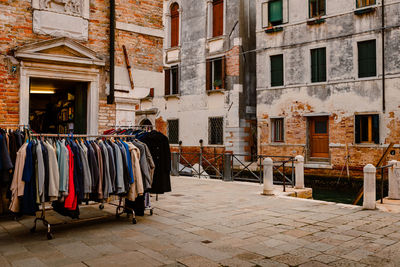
[383, 59]
[110, 97]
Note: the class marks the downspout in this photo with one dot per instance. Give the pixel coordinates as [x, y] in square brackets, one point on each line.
[110, 97]
[383, 59]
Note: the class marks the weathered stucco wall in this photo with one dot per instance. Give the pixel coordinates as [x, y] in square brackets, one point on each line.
[343, 94]
[194, 106]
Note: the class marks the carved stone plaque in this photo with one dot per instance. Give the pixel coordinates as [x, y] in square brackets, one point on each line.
[62, 6]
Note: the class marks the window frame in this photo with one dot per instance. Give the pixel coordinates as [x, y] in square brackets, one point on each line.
[318, 15]
[271, 70]
[275, 23]
[365, 6]
[177, 30]
[373, 136]
[210, 73]
[210, 133]
[169, 81]
[359, 66]
[318, 79]
[220, 31]
[168, 131]
[273, 130]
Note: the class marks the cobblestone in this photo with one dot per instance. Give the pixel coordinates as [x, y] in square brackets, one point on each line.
[213, 223]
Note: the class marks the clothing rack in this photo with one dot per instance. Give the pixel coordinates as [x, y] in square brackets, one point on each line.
[121, 208]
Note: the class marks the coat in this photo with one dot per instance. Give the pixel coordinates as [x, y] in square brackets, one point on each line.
[159, 148]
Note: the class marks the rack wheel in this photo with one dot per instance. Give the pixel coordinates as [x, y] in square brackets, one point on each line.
[33, 229]
[50, 236]
[101, 206]
[151, 212]
[134, 221]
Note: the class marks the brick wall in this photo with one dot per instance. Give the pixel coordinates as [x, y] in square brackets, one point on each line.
[144, 51]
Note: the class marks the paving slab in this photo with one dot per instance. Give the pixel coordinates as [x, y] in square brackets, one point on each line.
[212, 223]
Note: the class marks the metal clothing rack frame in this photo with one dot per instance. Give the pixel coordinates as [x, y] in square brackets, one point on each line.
[121, 208]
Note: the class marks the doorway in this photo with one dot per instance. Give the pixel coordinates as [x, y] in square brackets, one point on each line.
[58, 106]
[319, 137]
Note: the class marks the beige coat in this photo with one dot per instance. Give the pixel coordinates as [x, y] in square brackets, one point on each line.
[17, 185]
[137, 187]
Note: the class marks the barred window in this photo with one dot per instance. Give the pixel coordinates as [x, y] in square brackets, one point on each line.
[216, 131]
[277, 130]
[173, 131]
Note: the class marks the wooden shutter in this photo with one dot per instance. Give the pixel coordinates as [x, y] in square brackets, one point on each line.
[276, 70]
[223, 71]
[318, 65]
[366, 59]
[375, 128]
[177, 78]
[218, 18]
[208, 75]
[321, 7]
[275, 12]
[322, 65]
[357, 129]
[167, 79]
[174, 25]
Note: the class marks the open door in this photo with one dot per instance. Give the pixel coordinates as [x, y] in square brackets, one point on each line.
[319, 137]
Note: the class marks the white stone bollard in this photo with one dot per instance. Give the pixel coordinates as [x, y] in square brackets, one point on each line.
[268, 177]
[369, 202]
[299, 171]
[394, 180]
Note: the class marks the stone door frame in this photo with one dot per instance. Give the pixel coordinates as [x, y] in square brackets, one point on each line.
[90, 75]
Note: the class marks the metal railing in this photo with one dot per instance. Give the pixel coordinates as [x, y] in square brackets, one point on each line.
[232, 167]
[382, 169]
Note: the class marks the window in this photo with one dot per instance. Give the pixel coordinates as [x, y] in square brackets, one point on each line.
[367, 59]
[216, 131]
[173, 131]
[218, 18]
[215, 74]
[172, 81]
[174, 25]
[367, 129]
[364, 3]
[317, 8]
[277, 130]
[276, 70]
[275, 12]
[318, 65]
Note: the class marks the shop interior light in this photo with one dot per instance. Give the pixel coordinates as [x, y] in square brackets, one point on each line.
[47, 92]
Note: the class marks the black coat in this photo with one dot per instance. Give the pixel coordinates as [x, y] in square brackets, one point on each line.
[159, 148]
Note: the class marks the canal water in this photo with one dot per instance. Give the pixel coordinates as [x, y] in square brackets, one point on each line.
[339, 190]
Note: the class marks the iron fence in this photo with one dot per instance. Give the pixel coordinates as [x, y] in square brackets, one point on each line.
[232, 167]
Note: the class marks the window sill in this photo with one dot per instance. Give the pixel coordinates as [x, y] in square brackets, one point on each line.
[215, 38]
[177, 96]
[370, 78]
[215, 91]
[318, 83]
[315, 21]
[274, 29]
[277, 87]
[277, 144]
[148, 98]
[364, 10]
[173, 48]
[368, 145]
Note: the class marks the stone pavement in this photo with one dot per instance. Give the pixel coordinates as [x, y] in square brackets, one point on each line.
[214, 223]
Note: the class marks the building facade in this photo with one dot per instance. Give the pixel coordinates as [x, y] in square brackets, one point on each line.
[55, 62]
[209, 79]
[328, 80]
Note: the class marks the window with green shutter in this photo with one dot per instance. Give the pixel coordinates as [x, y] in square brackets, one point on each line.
[318, 65]
[316, 8]
[367, 59]
[276, 70]
[275, 12]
